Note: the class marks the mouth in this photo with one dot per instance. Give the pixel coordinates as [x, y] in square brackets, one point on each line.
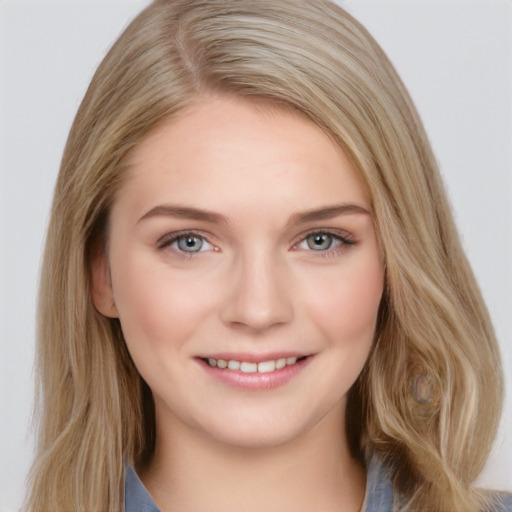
[254, 372]
[267, 366]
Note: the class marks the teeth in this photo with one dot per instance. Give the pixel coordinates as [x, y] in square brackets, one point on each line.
[249, 367]
[267, 366]
[280, 363]
[244, 366]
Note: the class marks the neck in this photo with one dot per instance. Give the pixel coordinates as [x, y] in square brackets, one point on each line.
[316, 472]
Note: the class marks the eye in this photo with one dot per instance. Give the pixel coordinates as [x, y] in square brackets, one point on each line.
[324, 241]
[188, 243]
[320, 241]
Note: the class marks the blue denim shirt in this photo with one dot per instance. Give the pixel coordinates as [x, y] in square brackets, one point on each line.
[379, 493]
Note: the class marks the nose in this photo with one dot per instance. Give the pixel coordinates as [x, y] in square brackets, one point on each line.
[259, 294]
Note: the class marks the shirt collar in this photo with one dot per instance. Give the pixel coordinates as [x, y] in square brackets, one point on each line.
[378, 498]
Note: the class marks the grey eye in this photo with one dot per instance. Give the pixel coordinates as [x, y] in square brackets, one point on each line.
[320, 241]
[190, 243]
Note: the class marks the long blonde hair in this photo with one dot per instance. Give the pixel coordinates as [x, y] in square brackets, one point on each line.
[96, 412]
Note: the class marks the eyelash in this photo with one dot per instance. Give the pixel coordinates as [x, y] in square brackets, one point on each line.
[343, 239]
[171, 238]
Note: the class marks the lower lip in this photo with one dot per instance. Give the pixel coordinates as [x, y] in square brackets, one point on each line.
[256, 381]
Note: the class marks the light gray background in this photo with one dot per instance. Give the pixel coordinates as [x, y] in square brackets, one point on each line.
[454, 56]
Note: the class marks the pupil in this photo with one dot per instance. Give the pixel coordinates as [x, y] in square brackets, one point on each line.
[320, 242]
[190, 243]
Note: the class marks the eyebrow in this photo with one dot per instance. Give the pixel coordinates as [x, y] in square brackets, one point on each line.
[186, 212]
[328, 212]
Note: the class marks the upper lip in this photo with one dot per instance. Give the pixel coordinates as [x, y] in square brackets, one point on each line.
[253, 358]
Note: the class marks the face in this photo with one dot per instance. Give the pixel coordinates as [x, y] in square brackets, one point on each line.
[244, 268]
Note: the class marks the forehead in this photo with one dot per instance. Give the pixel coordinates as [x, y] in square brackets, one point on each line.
[230, 147]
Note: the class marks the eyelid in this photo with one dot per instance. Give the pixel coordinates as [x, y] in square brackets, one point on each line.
[343, 236]
[169, 238]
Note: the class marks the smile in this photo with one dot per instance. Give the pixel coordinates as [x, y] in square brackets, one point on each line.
[256, 373]
[249, 367]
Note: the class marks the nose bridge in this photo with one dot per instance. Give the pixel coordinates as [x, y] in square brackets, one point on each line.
[259, 297]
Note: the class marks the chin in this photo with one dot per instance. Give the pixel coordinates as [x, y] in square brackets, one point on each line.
[261, 432]
[254, 439]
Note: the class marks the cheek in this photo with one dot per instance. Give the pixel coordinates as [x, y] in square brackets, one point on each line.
[345, 314]
[157, 308]
[347, 304]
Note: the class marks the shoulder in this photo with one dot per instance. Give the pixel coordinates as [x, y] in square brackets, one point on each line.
[502, 501]
[136, 496]
[381, 497]
[379, 489]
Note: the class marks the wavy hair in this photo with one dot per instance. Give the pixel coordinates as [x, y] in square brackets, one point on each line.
[96, 413]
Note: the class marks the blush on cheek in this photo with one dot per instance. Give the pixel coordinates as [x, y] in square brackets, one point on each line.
[159, 308]
[349, 310]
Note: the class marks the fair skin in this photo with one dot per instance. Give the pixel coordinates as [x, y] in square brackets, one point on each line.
[243, 234]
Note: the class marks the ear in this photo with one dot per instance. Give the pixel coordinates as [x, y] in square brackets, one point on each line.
[102, 294]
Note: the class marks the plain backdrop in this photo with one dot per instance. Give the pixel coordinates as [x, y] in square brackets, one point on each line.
[454, 56]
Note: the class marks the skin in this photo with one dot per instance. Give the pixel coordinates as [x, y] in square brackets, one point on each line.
[256, 286]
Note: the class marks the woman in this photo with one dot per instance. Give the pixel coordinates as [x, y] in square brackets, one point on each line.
[253, 280]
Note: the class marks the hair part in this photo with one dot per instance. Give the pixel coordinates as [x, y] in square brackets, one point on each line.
[96, 412]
